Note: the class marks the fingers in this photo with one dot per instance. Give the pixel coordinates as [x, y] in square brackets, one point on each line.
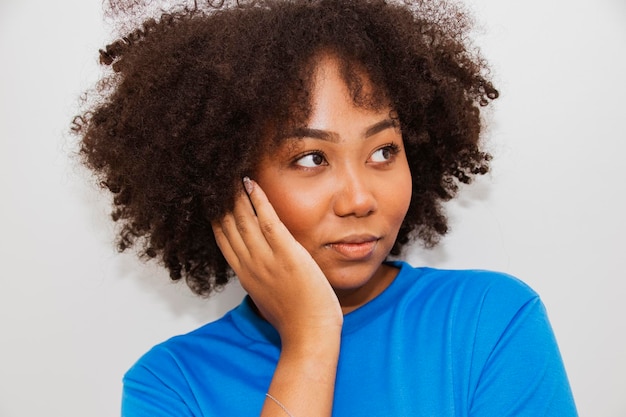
[224, 244]
[283, 279]
[252, 231]
[273, 229]
[239, 236]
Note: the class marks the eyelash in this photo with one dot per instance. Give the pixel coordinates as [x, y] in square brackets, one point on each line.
[392, 147]
[309, 153]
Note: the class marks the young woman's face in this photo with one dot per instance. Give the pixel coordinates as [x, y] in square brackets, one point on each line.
[342, 187]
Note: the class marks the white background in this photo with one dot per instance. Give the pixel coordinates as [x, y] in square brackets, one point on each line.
[74, 315]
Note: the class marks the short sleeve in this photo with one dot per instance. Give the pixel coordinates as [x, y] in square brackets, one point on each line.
[148, 390]
[523, 374]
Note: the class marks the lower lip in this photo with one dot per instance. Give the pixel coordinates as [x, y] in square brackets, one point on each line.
[355, 251]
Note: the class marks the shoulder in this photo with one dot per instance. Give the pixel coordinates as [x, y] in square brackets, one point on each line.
[232, 339]
[177, 372]
[171, 358]
[186, 371]
[471, 286]
[470, 301]
[474, 306]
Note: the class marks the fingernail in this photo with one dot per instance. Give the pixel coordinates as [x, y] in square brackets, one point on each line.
[247, 184]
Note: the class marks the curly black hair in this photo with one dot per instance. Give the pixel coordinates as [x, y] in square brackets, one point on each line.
[184, 114]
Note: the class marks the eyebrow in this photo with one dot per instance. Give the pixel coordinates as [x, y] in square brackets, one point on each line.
[305, 132]
[380, 126]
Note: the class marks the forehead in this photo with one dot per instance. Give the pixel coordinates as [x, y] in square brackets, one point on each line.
[327, 78]
[330, 71]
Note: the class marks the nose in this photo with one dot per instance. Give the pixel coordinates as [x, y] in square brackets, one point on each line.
[354, 195]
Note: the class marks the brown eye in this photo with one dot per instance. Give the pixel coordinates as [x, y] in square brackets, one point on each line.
[317, 159]
[384, 154]
[311, 160]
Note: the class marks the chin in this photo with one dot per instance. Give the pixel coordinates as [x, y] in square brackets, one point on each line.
[351, 277]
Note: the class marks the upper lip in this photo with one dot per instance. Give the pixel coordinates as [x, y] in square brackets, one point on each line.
[355, 239]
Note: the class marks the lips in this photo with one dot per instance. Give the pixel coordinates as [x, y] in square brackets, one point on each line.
[355, 248]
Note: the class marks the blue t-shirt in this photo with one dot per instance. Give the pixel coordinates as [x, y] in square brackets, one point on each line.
[435, 343]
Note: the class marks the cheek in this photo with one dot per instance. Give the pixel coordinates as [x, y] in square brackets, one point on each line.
[300, 209]
[399, 197]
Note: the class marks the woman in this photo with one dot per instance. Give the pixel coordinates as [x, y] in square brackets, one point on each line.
[297, 145]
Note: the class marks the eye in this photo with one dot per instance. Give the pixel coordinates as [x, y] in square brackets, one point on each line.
[311, 160]
[385, 154]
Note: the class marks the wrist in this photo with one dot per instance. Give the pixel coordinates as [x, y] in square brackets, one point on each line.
[314, 361]
[311, 339]
[321, 344]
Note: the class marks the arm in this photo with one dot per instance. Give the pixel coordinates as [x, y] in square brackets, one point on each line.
[292, 293]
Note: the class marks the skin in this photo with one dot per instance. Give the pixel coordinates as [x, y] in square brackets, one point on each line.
[340, 205]
[309, 237]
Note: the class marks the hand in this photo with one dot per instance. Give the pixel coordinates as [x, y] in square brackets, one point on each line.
[286, 284]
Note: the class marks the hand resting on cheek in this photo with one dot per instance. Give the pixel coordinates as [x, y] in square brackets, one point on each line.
[284, 281]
